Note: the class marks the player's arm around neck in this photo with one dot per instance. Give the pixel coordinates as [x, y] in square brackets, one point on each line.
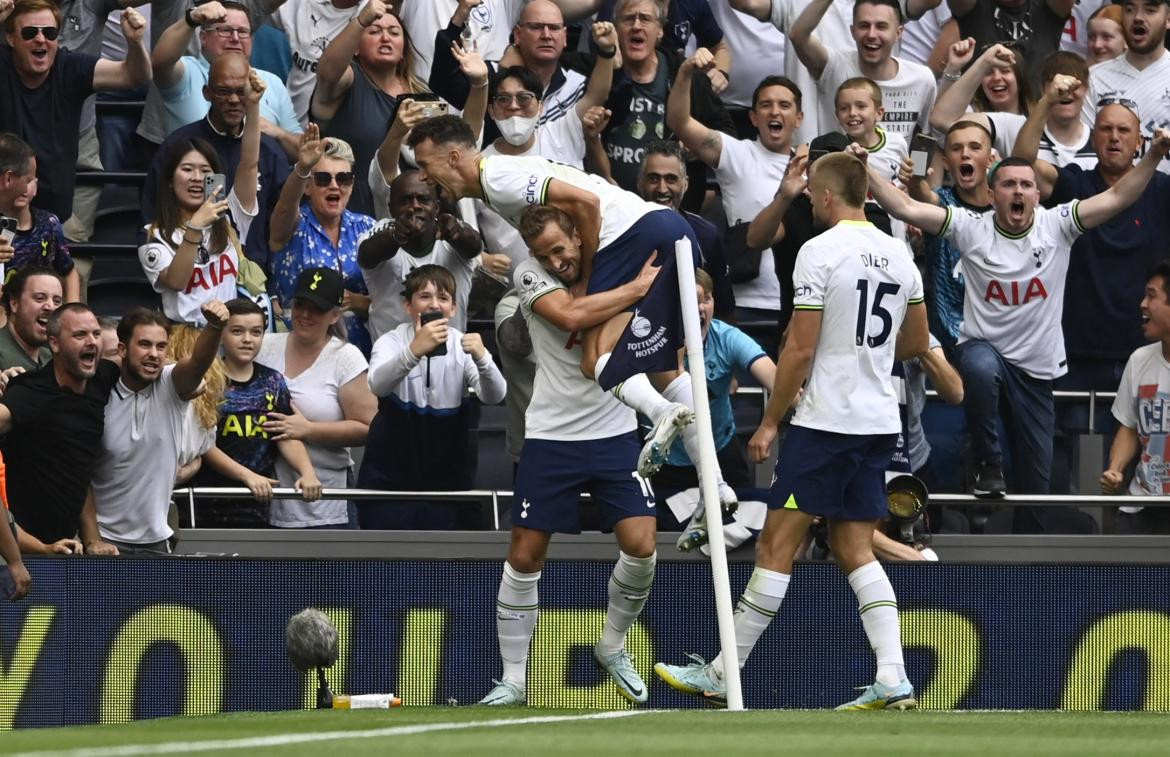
[792, 371]
[914, 336]
[1099, 208]
[569, 313]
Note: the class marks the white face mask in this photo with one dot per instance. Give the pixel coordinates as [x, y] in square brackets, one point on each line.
[517, 130]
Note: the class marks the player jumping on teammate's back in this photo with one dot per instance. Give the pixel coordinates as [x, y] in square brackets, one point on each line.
[619, 232]
[583, 444]
[858, 308]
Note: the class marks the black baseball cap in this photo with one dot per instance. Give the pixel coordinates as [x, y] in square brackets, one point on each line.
[833, 141]
[322, 287]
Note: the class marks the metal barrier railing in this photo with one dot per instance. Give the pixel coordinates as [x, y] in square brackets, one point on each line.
[493, 496]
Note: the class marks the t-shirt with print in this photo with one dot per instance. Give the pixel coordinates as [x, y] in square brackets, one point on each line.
[490, 23]
[310, 26]
[908, 96]
[630, 132]
[42, 245]
[1143, 404]
[240, 433]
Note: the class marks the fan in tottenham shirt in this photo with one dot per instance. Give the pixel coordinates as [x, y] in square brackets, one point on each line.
[310, 25]
[1015, 260]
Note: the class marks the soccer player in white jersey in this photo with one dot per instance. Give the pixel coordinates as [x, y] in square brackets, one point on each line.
[1011, 346]
[858, 309]
[577, 439]
[1137, 79]
[633, 353]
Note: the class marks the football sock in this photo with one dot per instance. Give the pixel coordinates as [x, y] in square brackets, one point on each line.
[679, 391]
[760, 601]
[637, 392]
[879, 614]
[516, 613]
[629, 586]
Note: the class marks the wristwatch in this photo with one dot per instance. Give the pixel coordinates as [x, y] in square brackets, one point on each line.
[189, 16]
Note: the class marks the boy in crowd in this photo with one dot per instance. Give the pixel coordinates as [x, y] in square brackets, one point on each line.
[859, 111]
[243, 452]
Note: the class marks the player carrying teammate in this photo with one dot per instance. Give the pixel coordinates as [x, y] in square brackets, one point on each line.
[619, 232]
[577, 439]
[858, 300]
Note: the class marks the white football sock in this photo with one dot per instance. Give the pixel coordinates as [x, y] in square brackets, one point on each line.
[879, 614]
[760, 601]
[516, 613]
[679, 391]
[629, 586]
[636, 392]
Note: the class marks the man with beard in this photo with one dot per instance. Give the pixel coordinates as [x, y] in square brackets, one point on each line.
[53, 419]
[747, 170]
[30, 297]
[416, 234]
[144, 422]
[1138, 78]
[577, 439]
[1015, 260]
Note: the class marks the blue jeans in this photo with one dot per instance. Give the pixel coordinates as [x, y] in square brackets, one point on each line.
[991, 385]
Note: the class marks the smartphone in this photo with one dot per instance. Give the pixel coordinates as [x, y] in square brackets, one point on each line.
[922, 148]
[8, 228]
[213, 181]
[424, 319]
[434, 109]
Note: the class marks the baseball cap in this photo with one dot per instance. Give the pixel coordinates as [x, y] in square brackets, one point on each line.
[320, 286]
[833, 141]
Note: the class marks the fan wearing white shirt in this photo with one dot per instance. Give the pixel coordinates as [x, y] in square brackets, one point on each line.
[1015, 260]
[908, 88]
[748, 171]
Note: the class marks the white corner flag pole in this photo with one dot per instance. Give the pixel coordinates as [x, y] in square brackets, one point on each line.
[709, 489]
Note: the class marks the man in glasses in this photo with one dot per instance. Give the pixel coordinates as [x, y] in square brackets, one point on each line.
[43, 89]
[223, 128]
[1140, 75]
[182, 80]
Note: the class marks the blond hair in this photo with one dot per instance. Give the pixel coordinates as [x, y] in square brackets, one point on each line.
[180, 346]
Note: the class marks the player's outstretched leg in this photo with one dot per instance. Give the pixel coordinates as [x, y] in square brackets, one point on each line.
[629, 586]
[679, 391]
[669, 418]
[516, 614]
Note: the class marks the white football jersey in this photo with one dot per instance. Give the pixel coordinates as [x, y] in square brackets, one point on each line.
[1015, 284]
[565, 405]
[1117, 79]
[511, 184]
[862, 280]
[310, 25]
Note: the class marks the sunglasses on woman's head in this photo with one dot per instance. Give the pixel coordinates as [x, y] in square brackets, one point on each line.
[29, 33]
[324, 178]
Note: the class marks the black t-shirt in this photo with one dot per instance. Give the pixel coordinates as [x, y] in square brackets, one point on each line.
[1031, 27]
[644, 122]
[53, 447]
[48, 118]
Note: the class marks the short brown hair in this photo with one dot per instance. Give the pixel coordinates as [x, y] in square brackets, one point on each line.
[31, 6]
[703, 279]
[845, 175]
[1064, 62]
[136, 317]
[428, 274]
[535, 218]
[861, 82]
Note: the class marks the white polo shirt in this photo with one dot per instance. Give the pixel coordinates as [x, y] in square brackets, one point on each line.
[135, 473]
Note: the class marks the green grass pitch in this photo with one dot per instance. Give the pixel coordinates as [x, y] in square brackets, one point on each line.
[477, 732]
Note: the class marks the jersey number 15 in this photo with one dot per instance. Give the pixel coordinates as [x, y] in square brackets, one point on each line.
[865, 311]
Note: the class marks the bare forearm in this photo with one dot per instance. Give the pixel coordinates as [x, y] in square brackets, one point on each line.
[791, 373]
[596, 159]
[283, 222]
[337, 56]
[1028, 140]
[296, 454]
[953, 100]
[190, 371]
[678, 102]
[137, 65]
[722, 54]
[1126, 445]
[338, 433]
[248, 171]
[594, 309]
[171, 46]
[764, 230]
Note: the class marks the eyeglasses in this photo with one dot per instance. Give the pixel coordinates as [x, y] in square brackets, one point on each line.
[536, 26]
[522, 99]
[29, 33]
[643, 18]
[226, 32]
[324, 178]
[1122, 101]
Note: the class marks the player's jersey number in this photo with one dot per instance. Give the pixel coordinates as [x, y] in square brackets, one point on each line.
[866, 310]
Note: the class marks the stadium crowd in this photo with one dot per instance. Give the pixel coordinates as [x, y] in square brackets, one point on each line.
[322, 277]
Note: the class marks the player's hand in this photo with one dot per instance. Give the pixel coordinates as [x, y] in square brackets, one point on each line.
[310, 150]
[1062, 87]
[428, 336]
[133, 26]
[281, 426]
[260, 486]
[645, 278]
[496, 264]
[605, 37]
[208, 13]
[760, 446]
[371, 12]
[100, 548]
[21, 580]
[309, 487]
[472, 65]
[702, 60]
[595, 120]
[215, 313]
[959, 55]
[472, 344]
[1112, 481]
[64, 547]
[795, 175]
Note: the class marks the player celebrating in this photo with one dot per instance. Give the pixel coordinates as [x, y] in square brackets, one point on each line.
[619, 232]
[858, 308]
[586, 444]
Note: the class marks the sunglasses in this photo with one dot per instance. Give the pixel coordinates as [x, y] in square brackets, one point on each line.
[324, 178]
[1126, 103]
[29, 33]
